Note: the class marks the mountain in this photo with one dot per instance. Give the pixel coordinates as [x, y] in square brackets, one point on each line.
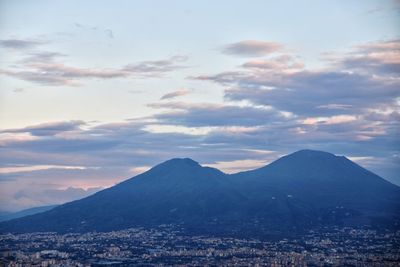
[311, 188]
[14, 215]
[306, 189]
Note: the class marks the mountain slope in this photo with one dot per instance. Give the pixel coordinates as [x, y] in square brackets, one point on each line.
[26, 212]
[302, 190]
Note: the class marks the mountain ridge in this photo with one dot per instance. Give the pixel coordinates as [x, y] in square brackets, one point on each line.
[302, 190]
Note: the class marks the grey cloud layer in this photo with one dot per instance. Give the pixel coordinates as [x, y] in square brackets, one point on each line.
[201, 115]
[313, 93]
[358, 80]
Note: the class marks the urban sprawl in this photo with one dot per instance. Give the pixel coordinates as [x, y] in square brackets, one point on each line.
[167, 245]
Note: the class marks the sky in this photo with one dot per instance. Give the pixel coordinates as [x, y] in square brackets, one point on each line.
[94, 92]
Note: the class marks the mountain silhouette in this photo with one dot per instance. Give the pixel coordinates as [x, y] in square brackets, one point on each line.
[304, 190]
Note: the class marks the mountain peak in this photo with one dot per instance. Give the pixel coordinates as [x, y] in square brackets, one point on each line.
[180, 162]
[306, 158]
[309, 152]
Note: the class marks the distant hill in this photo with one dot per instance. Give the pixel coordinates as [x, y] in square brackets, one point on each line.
[5, 216]
[304, 190]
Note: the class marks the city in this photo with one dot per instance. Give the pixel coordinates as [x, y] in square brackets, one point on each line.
[169, 245]
[199, 133]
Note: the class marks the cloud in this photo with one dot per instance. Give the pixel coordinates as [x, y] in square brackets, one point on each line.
[312, 92]
[252, 48]
[198, 115]
[379, 57]
[156, 67]
[376, 9]
[278, 63]
[78, 25]
[110, 33]
[48, 129]
[18, 90]
[238, 165]
[175, 94]
[37, 197]
[42, 57]
[364, 78]
[42, 68]
[56, 74]
[18, 169]
[19, 44]
[329, 120]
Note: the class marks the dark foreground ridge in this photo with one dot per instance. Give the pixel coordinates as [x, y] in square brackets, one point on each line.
[301, 191]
